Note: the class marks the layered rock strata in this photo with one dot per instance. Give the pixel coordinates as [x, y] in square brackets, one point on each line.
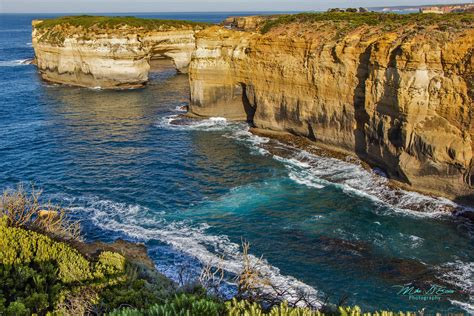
[400, 99]
[108, 58]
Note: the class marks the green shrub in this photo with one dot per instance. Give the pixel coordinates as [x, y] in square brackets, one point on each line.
[38, 274]
[109, 263]
[179, 305]
[237, 308]
[87, 21]
[19, 247]
[356, 19]
[190, 305]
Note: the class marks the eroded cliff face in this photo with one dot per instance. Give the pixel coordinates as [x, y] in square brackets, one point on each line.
[399, 99]
[107, 58]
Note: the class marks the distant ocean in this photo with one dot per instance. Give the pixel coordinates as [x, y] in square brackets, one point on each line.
[191, 191]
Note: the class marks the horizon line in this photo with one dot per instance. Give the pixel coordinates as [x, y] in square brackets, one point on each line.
[236, 11]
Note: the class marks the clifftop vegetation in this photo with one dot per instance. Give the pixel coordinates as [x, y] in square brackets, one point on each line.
[387, 20]
[116, 22]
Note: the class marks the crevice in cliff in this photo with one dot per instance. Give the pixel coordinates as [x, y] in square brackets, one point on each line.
[248, 101]
[361, 115]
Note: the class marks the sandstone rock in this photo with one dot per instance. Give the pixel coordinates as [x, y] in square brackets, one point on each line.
[400, 100]
[397, 98]
[115, 58]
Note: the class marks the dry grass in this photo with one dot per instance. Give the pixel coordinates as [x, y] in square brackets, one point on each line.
[212, 277]
[23, 209]
[251, 282]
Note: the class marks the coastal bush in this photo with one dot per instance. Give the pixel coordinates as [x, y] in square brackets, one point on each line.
[190, 305]
[179, 305]
[114, 22]
[23, 247]
[36, 272]
[389, 20]
[39, 274]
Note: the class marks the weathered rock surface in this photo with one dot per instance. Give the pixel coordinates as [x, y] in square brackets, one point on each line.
[107, 58]
[400, 99]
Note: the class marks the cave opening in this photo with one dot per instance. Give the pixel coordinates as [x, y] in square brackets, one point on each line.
[161, 68]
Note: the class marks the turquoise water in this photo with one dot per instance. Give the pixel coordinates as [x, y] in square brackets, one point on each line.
[129, 167]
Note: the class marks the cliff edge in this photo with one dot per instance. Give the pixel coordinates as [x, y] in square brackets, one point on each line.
[394, 90]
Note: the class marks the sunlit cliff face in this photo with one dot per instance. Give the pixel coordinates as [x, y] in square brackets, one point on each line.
[119, 59]
[398, 99]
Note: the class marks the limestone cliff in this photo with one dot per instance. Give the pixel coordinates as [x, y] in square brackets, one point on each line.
[399, 97]
[95, 53]
[395, 90]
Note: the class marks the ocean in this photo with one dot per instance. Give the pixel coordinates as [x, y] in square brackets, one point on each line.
[127, 166]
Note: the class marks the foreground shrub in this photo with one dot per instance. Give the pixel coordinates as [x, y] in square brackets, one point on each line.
[23, 247]
[39, 275]
[188, 305]
[179, 305]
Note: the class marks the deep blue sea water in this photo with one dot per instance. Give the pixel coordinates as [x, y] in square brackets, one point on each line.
[191, 192]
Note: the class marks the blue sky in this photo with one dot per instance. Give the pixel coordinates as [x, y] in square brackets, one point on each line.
[94, 6]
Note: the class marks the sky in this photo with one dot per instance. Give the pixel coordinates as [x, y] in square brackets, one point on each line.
[116, 6]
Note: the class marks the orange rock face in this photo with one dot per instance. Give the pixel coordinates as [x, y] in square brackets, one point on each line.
[400, 99]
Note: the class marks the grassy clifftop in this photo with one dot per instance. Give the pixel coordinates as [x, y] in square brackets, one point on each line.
[115, 22]
[55, 31]
[386, 20]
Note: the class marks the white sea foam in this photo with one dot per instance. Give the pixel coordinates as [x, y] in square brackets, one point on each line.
[14, 63]
[461, 275]
[177, 122]
[412, 240]
[318, 172]
[142, 224]
[466, 306]
[304, 180]
[181, 108]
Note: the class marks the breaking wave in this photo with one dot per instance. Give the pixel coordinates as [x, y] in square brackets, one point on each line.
[460, 274]
[350, 176]
[318, 172]
[179, 122]
[142, 224]
[15, 63]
